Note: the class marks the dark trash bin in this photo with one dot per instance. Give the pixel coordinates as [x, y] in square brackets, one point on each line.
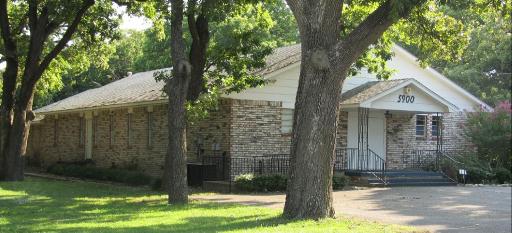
[198, 172]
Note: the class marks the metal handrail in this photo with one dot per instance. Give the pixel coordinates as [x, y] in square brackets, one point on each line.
[381, 172]
[456, 163]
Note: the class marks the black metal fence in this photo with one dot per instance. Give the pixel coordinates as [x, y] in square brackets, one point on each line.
[227, 168]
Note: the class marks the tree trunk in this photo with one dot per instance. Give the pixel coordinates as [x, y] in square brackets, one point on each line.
[326, 60]
[6, 112]
[16, 144]
[176, 161]
[309, 191]
[177, 86]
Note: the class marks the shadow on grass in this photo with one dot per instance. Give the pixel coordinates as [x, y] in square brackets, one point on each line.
[61, 206]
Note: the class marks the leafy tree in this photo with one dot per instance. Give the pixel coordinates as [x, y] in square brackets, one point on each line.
[35, 35]
[227, 42]
[117, 58]
[337, 38]
[490, 133]
[485, 68]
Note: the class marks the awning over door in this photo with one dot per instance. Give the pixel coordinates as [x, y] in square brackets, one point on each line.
[397, 95]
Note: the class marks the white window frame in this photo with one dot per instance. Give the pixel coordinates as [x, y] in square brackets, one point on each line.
[425, 119]
[286, 120]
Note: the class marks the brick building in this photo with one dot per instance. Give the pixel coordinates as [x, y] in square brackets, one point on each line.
[124, 124]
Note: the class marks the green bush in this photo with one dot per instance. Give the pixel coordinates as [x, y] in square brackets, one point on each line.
[490, 133]
[502, 175]
[477, 175]
[339, 182]
[276, 183]
[244, 182]
[270, 183]
[95, 173]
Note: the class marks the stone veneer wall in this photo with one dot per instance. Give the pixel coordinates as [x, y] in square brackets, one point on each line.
[401, 138]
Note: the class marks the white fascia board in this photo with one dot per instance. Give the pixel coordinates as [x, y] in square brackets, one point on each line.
[435, 73]
[451, 107]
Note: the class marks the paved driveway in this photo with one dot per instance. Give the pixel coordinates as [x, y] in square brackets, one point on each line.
[439, 209]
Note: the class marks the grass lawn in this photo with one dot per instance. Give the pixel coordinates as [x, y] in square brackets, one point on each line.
[39, 205]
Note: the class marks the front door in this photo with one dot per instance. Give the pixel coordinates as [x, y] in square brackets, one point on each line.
[376, 133]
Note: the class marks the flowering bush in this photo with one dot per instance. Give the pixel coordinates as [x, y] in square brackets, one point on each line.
[490, 132]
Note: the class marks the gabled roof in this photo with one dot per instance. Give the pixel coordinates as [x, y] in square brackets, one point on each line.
[141, 88]
[368, 90]
[366, 94]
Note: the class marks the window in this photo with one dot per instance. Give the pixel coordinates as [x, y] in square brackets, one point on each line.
[150, 129]
[55, 132]
[81, 132]
[286, 120]
[421, 122]
[111, 129]
[436, 123]
[95, 130]
[129, 121]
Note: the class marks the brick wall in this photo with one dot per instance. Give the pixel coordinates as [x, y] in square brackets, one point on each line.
[210, 137]
[401, 138]
[107, 152]
[256, 129]
[238, 128]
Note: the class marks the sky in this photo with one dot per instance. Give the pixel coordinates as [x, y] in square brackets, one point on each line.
[129, 23]
[136, 23]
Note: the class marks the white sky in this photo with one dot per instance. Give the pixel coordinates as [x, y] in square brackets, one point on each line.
[135, 23]
[129, 23]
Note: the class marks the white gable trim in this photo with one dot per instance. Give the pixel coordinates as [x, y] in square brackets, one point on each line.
[449, 106]
[413, 59]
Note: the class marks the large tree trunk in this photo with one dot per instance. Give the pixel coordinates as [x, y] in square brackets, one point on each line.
[177, 86]
[326, 59]
[309, 192]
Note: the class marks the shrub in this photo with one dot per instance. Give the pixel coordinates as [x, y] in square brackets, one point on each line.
[270, 183]
[244, 182]
[339, 182]
[90, 172]
[477, 175]
[503, 175]
[490, 133]
[276, 183]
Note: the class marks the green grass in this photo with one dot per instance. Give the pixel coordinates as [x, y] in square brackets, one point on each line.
[38, 205]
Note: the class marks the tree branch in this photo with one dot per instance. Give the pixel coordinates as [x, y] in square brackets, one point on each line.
[191, 20]
[371, 29]
[66, 37]
[5, 30]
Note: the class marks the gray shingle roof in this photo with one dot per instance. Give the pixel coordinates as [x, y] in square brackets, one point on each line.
[139, 87]
[368, 90]
[142, 87]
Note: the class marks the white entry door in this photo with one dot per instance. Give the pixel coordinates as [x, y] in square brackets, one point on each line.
[376, 134]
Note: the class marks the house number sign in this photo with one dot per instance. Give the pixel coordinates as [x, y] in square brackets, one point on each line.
[405, 99]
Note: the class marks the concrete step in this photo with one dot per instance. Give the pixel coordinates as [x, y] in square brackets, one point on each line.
[407, 178]
[411, 180]
[414, 184]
